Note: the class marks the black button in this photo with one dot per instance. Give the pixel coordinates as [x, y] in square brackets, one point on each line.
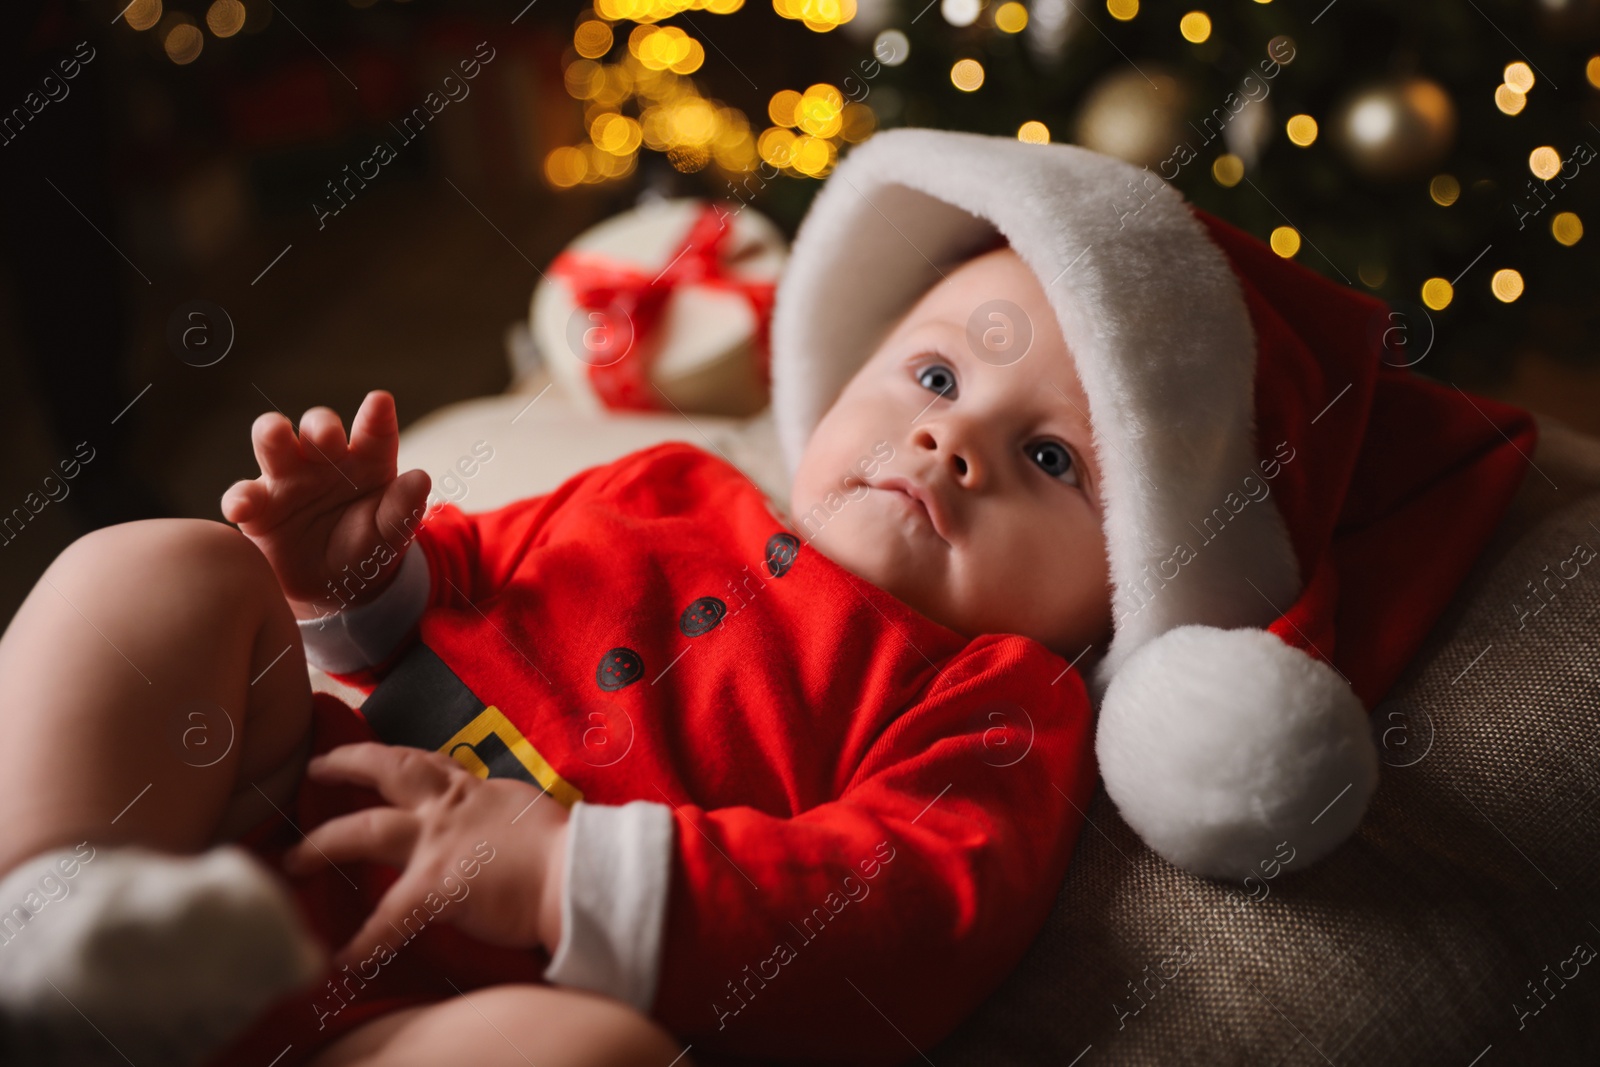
[618, 667]
[702, 616]
[782, 548]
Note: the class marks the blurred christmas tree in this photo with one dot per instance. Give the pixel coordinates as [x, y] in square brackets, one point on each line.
[1435, 154]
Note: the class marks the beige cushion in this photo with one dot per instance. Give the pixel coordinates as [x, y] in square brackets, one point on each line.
[1474, 870]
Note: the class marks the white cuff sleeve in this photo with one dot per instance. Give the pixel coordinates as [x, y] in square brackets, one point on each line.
[342, 642]
[614, 900]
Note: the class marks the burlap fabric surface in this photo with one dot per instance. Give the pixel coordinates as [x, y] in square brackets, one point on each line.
[1457, 927]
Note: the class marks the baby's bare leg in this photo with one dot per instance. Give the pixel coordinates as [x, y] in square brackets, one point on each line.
[510, 1026]
[151, 677]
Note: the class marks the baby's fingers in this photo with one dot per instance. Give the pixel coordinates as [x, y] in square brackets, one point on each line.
[400, 510]
[375, 431]
[323, 434]
[244, 501]
[277, 451]
[375, 835]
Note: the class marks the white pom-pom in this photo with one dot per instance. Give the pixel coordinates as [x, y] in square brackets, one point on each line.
[1219, 745]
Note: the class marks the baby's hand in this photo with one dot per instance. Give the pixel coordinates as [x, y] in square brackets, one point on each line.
[322, 505]
[491, 849]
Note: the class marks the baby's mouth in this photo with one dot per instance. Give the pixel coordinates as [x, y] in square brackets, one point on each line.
[918, 499]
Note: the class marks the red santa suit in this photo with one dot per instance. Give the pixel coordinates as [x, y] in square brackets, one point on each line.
[806, 820]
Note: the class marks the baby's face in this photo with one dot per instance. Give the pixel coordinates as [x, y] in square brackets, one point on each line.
[1000, 446]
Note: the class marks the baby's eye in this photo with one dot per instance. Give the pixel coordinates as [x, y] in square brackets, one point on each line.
[1054, 459]
[938, 378]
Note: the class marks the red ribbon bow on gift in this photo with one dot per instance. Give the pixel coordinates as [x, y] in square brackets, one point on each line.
[625, 306]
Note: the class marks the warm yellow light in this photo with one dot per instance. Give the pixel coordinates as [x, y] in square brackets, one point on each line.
[967, 75]
[1567, 228]
[780, 109]
[1195, 26]
[820, 111]
[1227, 170]
[592, 39]
[1444, 189]
[142, 14]
[1033, 132]
[564, 167]
[1509, 100]
[1011, 17]
[1506, 285]
[1372, 275]
[1285, 241]
[584, 79]
[690, 60]
[1545, 162]
[776, 146]
[225, 17]
[1122, 10]
[813, 156]
[1519, 76]
[183, 43]
[1592, 70]
[614, 133]
[1302, 129]
[1437, 293]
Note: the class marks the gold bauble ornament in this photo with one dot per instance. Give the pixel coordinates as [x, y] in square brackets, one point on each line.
[1135, 116]
[1395, 129]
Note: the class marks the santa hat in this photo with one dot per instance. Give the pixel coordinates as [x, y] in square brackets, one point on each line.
[1286, 509]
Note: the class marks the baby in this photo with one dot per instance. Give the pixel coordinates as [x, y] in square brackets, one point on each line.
[756, 728]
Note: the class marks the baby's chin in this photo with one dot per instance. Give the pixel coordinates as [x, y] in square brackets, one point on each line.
[878, 546]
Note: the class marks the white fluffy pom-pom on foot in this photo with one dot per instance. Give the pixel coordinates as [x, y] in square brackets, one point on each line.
[134, 954]
[1219, 745]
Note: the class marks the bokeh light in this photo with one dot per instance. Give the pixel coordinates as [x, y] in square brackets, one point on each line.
[142, 14]
[1567, 228]
[224, 18]
[1506, 285]
[183, 40]
[1011, 17]
[1519, 76]
[1195, 26]
[1227, 170]
[1545, 162]
[1509, 100]
[1033, 132]
[1302, 130]
[967, 75]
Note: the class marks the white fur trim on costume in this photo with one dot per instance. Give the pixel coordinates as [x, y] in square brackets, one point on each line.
[1218, 745]
[1151, 313]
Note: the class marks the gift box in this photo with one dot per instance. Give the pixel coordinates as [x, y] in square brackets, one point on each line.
[665, 306]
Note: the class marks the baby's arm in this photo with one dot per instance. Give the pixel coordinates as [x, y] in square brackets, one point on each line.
[891, 912]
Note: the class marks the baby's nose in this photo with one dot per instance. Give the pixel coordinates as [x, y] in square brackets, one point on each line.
[955, 444]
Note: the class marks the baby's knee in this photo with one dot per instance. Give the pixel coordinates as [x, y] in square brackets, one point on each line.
[175, 554]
